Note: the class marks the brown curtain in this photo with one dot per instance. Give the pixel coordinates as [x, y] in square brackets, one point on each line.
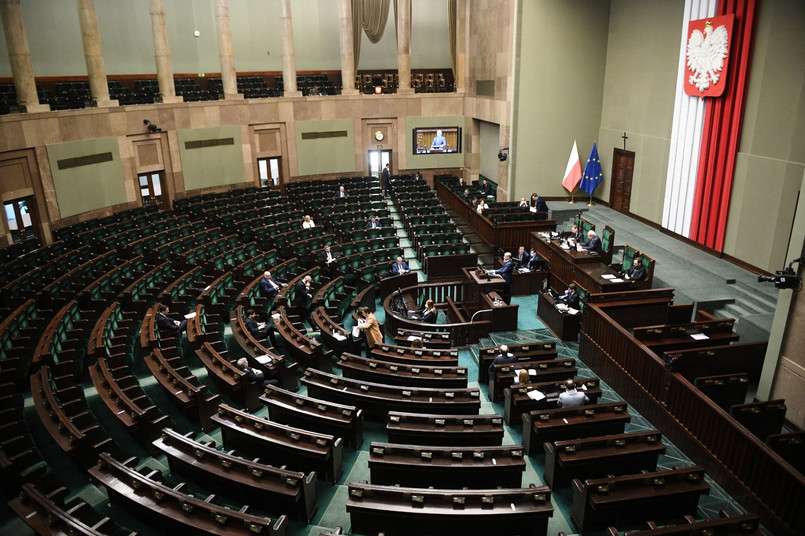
[368, 16]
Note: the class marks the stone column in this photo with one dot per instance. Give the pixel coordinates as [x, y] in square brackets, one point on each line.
[288, 59]
[462, 45]
[404, 45]
[347, 48]
[93, 54]
[162, 53]
[229, 76]
[20, 57]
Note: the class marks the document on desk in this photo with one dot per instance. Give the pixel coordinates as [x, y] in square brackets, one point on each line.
[190, 316]
[536, 395]
[264, 359]
[572, 311]
[699, 336]
[607, 276]
[616, 280]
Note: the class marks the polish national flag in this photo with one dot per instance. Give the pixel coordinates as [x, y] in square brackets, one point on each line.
[573, 171]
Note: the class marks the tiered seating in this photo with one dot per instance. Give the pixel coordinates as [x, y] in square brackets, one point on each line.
[377, 400]
[725, 525]
[540, 426]
[371, 370]
[345, 422]
[444, 430]
[170, 505]
[535, 351]
[599, 456]
[397, 511]
[415, 356]
[164, 360]
[503, 376]
[282, 491]
[446, 467]
[277, 443]
[618, 500]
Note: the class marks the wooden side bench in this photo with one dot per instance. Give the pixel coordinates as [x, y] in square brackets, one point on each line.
[371, 370]
[518, 400]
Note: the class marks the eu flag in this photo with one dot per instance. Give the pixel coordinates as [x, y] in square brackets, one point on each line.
[592, 173]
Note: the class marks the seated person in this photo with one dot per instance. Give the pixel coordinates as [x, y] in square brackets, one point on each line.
[461, 182]
[373, 223]
[439, 142]
[474, 203]
[535, 261]
[417, 344]
[341, 192]
[522, 377]
[307, 223]
[486, 188]
[538, 203]
[575, 235]
[592, 244]
[466, 195]
[571, 397]
[503, 358]
[168, 325]
[259, 330]
[637, 272]
[521, 258]
[326, 257]
[429, 313]
[269, 286]
[523, 203]
[400, 267]
[481, 206]
[255, 375]
[571, 297]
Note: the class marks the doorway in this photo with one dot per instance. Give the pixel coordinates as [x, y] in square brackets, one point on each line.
[621, 191]
[151, 188]
[270, 171]
[378, 160]
[21, 217]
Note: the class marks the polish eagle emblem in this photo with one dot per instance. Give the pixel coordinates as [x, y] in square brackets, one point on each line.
[706, 56]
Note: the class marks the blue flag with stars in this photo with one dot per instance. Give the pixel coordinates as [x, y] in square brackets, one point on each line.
[592, 173]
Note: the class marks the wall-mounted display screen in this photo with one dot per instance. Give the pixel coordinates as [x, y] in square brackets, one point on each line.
[437, 140]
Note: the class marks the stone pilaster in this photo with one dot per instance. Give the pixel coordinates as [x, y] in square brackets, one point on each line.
[20, 57]
[162, 53]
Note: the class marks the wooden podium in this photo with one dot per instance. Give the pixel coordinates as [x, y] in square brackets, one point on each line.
[483, 292]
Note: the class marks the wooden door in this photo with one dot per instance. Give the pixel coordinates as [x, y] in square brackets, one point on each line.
[621, 191]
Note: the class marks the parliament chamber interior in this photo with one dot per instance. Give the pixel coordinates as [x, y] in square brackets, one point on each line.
[323, 267]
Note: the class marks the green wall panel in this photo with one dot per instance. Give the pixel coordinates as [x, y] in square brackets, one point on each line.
[217, 162]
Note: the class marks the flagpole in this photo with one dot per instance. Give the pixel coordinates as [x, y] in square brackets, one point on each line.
[591, 201]
[572, 201]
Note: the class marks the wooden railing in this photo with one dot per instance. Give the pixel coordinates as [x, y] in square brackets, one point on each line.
[760, 479]
[461, 333]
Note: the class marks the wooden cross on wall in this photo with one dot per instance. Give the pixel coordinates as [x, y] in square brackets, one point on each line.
[625, 137]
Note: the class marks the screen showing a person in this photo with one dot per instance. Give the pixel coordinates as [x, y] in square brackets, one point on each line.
[437, 140]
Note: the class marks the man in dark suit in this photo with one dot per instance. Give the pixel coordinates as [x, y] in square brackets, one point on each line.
[503, 358]
[168, 325]
[269, 286]
[637, 272]
[385, 179]
[259, 330]
[575, 234]
[326, 258]
[506, 273]
[341, 192]
[592, 244]
[302, 297]
[400, 267]
[571, 297]
[538, 203]
[373, 223]
[486, 188]
[522, 257]
[255, 375]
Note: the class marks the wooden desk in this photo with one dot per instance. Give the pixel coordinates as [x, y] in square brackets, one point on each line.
[480, 291]
[516, 400]
[615, 501]
[565, 326]
[446, 467]
[397, 511]
[561, 262]
[445, 430]
[571, 423]
[595, 457]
